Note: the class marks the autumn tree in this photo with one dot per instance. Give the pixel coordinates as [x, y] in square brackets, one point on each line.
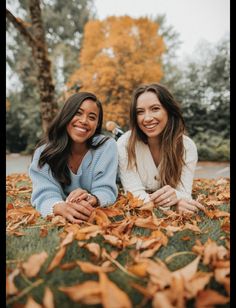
[117, 55]
[34, 35]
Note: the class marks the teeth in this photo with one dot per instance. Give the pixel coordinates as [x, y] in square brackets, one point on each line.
[150, 126]
[83, 130]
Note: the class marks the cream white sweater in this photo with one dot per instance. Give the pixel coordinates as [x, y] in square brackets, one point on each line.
[145, 178]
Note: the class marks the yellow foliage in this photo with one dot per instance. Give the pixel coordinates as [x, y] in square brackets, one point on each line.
[117, 55]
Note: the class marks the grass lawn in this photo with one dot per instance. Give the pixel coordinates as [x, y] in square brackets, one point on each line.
[129, 255]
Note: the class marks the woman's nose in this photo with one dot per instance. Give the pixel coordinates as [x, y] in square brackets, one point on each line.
[83, 119]
[148, 116]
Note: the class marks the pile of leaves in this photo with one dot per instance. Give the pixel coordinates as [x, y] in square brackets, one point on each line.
[127, 255]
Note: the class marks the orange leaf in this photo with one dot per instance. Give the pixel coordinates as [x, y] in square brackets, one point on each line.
[11, 289]
[188, 271]
[209, 298]
[112, 296]
[87, 292]
[48, 299]
[34, 263]
[57, 259]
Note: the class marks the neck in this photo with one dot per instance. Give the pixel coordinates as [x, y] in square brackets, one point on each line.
[154, 142]
[79, 149]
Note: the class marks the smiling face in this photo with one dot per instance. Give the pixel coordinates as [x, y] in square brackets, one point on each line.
[84, 123]
[152, 117]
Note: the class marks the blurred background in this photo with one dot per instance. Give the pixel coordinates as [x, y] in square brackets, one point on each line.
[56, 48]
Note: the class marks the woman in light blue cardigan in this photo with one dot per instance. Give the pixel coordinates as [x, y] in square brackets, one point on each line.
[74, 167]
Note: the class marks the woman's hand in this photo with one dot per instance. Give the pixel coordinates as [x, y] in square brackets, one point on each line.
[189, 206]
[74, 212]
[164, 197]
[77, 195]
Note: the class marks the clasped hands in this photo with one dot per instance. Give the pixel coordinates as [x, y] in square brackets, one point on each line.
[78, 206]
[166, 197]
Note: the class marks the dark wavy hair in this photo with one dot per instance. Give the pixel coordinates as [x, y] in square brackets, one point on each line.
[172, 148]
[58, 142]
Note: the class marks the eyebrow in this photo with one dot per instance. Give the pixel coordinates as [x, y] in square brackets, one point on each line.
[93, 113]
[154, 105]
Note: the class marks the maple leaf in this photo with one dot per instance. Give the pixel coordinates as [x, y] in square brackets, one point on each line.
[48, 299]
[209, 298]
[33, 265]
[112, 296]
[87, 292]
[11, 289]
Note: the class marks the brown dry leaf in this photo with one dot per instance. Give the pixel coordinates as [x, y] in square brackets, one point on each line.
[112, 212]
[188, 271]
[112, 296]
[162, 300]
[68, 239]
[139, 269]
[99, 217]
[113, 240]
[33, 265]
[48, 298]
[87, 292]
[94, 248]
[57, 259]
[159, 274]
[148, 223]
[210, 298]
[221, 277]
[150, 252]
[31, 303]
[43, 232]
[59, 221]
[192, 227]
[213, 252]
[148, 206]
[88, 267]
[68, 266]
[11, 289]
[197, 283]
[216, 214]
[158, 234]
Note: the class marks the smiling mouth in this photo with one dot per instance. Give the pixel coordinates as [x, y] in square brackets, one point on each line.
[81, 129]
[151, 126]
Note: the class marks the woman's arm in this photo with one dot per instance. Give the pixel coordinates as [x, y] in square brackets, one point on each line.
[130, 178]
[104, 186]
[46, 190]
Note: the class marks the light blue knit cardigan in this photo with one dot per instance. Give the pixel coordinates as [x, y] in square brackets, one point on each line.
[96, 174]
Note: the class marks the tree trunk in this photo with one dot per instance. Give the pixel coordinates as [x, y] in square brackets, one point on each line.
[36, 40]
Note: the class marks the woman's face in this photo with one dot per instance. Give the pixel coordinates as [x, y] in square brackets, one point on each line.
[84, 123]
[152, 117]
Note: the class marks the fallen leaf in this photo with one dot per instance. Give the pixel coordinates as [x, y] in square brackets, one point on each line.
[48, 299]
[209, 298]
[57, 259]
[34, 263]
[31, 303]
[88, 292]
[11, 289]
[112, 296]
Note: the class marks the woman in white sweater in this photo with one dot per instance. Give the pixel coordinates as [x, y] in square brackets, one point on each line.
[156, 159]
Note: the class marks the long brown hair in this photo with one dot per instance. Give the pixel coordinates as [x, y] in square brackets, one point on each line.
[172, 148]
[58, 142]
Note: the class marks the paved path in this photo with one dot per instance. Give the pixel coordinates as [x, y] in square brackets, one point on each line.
[16, 163]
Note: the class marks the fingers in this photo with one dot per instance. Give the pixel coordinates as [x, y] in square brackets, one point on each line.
[165, 197]
[197, 204]
[77, 195]
[191, 206]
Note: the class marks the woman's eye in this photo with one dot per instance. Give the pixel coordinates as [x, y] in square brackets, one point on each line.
[139, 111]
[92, 118]
[155, 108]
[79, 112]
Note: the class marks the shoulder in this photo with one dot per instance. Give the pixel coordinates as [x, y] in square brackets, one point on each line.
[110, 143]
[38, 151]
[123, 140]
[190, 148]
[189, 143]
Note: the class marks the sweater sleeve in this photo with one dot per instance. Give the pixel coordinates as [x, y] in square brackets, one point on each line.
[184, 189]
[104, 181]
[46, 190]
[130, 178]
